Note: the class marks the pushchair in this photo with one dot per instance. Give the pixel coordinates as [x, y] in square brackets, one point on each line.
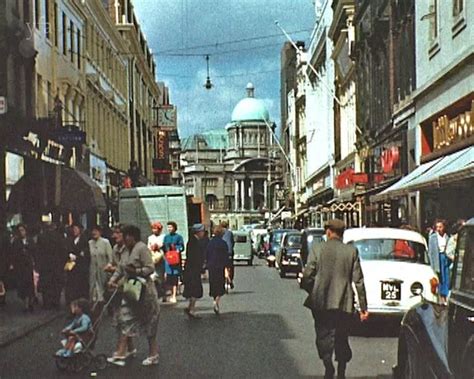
[83, 356]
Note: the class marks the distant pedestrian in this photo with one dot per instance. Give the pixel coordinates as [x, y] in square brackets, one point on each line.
[4, 262]
[228, 238]
[51, 258]
[101, 255]
[217, 259]
[173, 242]
[136, 265]
[331, 269]
[77, 271]
[156, 245]
[437, 244]
[193, 267]
[23, 259]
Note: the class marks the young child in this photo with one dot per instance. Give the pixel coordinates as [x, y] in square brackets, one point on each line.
[79, 330]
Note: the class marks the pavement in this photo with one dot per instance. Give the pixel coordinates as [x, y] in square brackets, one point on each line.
[15, 323]
[263, 332]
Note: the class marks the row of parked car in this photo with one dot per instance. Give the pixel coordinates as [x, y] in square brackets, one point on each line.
[436, 340]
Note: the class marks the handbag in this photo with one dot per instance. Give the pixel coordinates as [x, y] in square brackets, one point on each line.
[173, 257]
[156, 256]
[69, 266]
[133, 289]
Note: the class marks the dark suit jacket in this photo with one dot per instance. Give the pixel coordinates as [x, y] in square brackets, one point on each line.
[331, 269]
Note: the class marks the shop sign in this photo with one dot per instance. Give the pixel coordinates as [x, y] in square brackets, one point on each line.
[389, 159]
[69, 135]
[161, 164]
[447, 132]
[349, 178]
[98, 172]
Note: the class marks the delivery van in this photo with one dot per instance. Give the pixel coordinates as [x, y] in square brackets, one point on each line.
[142, 206]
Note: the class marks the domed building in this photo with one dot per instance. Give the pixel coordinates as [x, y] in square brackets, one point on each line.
[234, 170]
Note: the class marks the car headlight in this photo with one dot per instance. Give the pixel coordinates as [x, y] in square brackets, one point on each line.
[416, 288]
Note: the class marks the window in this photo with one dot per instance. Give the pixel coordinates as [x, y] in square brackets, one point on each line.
[37, 13]
[463, 275]
[64, 29]
[458, 7]
[78, 45]
[47, 19]
[71, 40]
[55, 24]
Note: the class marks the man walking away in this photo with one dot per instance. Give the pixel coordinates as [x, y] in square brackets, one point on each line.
[228, 238]
[331, 269]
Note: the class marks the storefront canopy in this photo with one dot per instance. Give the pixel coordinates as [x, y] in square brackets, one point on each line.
[58, 188]
[434, 174]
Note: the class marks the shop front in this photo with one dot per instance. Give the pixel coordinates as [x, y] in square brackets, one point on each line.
[441, 186]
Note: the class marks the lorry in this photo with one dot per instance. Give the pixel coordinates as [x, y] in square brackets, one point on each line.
[142, 206]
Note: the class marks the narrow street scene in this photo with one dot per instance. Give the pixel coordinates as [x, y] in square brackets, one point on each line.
[237, 188]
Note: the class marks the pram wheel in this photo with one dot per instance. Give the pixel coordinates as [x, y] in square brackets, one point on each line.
[100, 362]
[62, 363]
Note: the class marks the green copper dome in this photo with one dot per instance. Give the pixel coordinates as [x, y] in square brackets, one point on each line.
[250, 109]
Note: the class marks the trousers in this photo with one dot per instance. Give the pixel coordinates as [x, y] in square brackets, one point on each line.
[332, 335]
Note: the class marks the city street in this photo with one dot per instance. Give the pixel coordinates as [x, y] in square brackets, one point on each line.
[263, 332]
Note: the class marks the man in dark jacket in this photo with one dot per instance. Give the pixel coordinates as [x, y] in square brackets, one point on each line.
[331, 269]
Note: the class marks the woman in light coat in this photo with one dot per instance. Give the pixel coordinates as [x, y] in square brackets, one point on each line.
[101, 254]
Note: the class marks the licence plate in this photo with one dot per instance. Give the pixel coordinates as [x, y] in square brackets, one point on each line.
[391, 290]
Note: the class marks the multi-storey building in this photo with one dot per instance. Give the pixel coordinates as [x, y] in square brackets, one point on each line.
[234, 170]
[348, 175]
[442, 125]
[144, 92]
[320, 138]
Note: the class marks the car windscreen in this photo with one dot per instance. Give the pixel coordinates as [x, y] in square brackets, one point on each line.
[293, 240]
[240, 239]
[386, 249]
[276, 237]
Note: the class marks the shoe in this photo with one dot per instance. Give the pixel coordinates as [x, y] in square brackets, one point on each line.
[216, 309]
[173, 300]
[116, 360]
[67, 354]
[60, 352]
[150, 361]
[132, 353]
[231, 285]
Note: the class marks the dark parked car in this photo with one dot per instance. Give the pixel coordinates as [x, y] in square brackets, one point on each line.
[275, 244]
[288, 256]
[310, 235]
[437, 341]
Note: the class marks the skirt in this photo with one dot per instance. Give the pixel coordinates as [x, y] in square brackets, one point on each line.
[216, 282]
[143, 316]
[192, 285]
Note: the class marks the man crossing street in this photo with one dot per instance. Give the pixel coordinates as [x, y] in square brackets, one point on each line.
[332, 268]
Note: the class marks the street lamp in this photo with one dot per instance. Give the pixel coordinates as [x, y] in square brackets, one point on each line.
[208, 85]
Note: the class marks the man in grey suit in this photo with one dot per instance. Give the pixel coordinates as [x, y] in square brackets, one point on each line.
[331, 269]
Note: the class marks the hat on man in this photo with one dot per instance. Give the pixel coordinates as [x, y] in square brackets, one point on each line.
[335, 224]
[198, 228]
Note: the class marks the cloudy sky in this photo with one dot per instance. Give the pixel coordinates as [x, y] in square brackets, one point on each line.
[175, 28]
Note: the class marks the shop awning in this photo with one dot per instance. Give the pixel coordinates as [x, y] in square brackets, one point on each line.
[434, 174]
[52, 188]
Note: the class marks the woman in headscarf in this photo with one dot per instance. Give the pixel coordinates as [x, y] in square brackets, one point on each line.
[142, 314]
[193, 268]
[23, 252]
[217, 258]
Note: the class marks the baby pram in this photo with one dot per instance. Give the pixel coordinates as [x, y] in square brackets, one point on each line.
[83, 356]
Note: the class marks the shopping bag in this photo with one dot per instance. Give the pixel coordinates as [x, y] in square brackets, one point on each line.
[133, 289]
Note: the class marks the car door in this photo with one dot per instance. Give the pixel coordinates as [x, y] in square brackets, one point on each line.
[461, 302]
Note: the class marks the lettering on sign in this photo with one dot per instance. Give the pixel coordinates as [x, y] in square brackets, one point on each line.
[447, 132]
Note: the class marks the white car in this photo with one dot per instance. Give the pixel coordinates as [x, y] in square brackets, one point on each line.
[396, 268]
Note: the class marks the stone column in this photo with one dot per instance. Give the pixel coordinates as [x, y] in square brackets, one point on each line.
[252, 194]
[265, 193]
[236, 205]
[242, 193]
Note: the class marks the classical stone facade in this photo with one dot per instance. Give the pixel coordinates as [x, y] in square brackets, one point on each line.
[234, 170]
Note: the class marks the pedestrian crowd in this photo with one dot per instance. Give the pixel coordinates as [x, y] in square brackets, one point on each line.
[122, 274]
